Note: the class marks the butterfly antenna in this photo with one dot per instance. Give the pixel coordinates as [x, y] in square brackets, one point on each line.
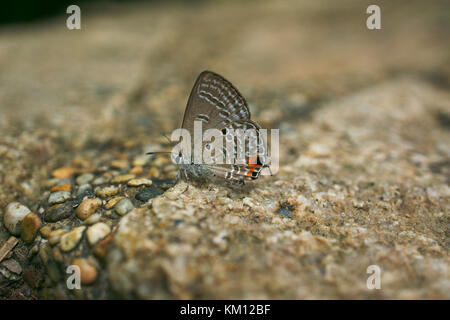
[161, 152]
[158, 152]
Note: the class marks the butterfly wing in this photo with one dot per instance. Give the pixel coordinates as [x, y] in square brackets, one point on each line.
[218, 104]
[215, 102]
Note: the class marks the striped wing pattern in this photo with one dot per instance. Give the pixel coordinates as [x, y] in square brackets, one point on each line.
[218, 104]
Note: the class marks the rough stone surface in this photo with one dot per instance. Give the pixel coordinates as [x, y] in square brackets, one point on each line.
[364, 152]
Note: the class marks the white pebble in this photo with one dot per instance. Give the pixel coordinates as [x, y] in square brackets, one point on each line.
[58, 197]
[14, 214]
[97, 232]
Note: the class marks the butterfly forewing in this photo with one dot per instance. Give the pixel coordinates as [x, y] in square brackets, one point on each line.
[215, 102]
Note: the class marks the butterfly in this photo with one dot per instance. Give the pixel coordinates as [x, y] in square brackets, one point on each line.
[218, 104]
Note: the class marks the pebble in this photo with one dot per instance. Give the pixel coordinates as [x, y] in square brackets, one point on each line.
[148, 193]
[12, 265]
[61, 182]
[139, 182]
[122, 178]
[93, 219]
[108, 191]
[57, 255]
[14, 214]
[97, 232]
[63, 173]
[88, 207]
[84, 179]
[99, 180]
[123, 206]
[59, 197]
[71, 239]
[119, 164]
[51, 182]
[44, 253]
[111, 203]
[59, 212]
[284, 212]
[55, 236]
[88, 272]
[101, 247]
[140, 160]
[84, 189]
[154, 172]
[32, 277]
[137, 170]
[30, 226]
[63, 187]
[45, 231]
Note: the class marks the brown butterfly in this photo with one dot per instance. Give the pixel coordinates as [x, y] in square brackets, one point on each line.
[218, 104]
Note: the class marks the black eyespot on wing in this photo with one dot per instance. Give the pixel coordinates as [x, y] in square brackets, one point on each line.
[258, 161]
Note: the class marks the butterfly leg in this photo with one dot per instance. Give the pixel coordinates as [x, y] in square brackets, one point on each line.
[187, 180]
[177, 178]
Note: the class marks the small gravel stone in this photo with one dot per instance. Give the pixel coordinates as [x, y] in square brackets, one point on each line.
[123, 206]
[122, 178]
[93, 219]
[14, 214]
[71, 239]
[84, 179]
[111, 203]
[63, 187]
[148, 193]
[97, 232]
[88, 207]
[61, 182]
[55, 236]
[59, 197]
[84, 189]
[99, 180]
[44, 253]
[59, 212]
[30, 225]
[108, 191]
[119, 164]
[136, 170]
[139, 182]
[88, 272]
[63, 173]
[45, 231]
[140, 160]
[12, 265]
[154, 172]
[33, 277]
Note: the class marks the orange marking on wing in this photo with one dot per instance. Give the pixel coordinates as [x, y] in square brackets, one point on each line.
[252, 163]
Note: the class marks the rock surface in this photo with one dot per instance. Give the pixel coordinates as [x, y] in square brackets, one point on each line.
[364, 153]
